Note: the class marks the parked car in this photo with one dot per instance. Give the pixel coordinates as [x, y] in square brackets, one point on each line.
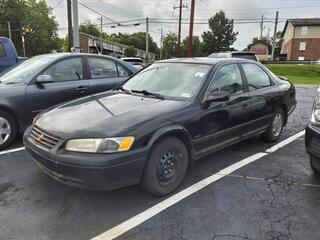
[47, 80]
[137, 62]
[155, 124]
[245, 55]
[8, 54]
[312, 136]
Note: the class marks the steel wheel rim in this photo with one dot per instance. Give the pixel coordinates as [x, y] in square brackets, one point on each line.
[167, 167]
[277, 125]
[5, 130]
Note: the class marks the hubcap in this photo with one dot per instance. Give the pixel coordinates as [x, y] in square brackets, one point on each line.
[277, 124]
[167, 167]
[5, 130]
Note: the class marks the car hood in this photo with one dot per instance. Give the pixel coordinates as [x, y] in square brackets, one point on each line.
[103, 115]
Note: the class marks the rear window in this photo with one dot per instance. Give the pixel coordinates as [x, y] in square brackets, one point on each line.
[2, 50]
[245, 56]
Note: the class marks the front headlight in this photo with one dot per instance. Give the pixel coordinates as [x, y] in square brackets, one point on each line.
[315, 116]
[100, 145]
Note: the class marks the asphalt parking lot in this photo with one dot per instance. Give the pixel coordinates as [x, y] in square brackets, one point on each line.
[275, 197]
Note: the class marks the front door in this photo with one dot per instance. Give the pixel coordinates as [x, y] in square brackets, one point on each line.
[68, 83]
[224, 122]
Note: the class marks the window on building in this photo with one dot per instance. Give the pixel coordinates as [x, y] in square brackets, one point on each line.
[304, 30]
[301, 58]
[302, 46]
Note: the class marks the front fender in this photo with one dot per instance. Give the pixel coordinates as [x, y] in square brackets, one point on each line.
[177, 131]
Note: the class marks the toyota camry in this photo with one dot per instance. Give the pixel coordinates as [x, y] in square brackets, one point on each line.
[150, 128]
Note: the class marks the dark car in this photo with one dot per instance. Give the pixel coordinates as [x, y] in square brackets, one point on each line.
[245, 55]
[47, 80]
[151, 127]
[312, 136]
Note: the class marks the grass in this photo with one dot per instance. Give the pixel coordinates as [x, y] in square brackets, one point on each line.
[299, 74]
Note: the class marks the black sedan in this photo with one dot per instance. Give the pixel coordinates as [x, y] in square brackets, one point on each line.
[47, 80]
[312, 136]
[154, 125]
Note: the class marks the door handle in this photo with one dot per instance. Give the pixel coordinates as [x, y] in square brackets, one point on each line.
[81, 89]
[245, 105]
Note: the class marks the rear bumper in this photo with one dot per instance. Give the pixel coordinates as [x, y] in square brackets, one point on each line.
[89, 171]
[312, 141]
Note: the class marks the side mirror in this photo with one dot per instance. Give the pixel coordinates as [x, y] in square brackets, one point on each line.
[218, 96]
[97, 71]
[44, 79]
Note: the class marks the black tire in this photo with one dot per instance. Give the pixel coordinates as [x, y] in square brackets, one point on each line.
[271, 135]
[169, 153]
[7, 140]
[315, 165]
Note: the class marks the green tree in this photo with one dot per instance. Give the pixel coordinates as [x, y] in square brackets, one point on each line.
[89, 28]
[138, 40]
[130, 51]
[197, 47]
[33, 19]
[170, 42]
[221, 35]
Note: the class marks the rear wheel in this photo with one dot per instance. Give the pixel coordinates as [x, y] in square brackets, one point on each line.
[166, 167]
[315, 165]
[274, 131]
[8, 129]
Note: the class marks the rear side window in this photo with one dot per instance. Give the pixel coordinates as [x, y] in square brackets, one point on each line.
[228, 78]
[66, 70]
[256, 77]
[2, 50]
[122, 71]
[102, 68]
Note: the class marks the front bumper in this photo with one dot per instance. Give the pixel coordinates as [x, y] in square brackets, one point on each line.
[86, 170]
[312, 141]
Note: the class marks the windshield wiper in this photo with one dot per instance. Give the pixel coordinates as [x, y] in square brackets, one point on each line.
[147, 93]
[123, 89]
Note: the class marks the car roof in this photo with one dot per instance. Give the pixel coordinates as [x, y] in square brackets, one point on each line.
[57, 56]
[203, 60]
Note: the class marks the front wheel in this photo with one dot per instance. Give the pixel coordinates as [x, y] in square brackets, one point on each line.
[8, 129]
[166, 167]
[274, 131]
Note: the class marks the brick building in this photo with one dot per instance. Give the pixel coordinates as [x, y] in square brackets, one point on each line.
[301, 39]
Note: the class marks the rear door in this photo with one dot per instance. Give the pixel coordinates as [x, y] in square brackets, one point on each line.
[69, 82]
[263, 93]
[105, 74]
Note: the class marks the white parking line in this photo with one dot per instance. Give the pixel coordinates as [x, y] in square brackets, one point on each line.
[154, 210]
[12, 150]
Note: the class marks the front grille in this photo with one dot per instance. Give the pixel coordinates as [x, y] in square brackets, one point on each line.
[43, 139]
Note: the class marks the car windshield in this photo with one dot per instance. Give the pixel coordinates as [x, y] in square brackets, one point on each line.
[173, 80]
[23, 72]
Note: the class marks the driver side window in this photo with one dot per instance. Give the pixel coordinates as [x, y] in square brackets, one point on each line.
[227, 78]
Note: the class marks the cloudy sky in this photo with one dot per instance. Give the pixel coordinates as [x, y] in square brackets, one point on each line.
[161, 10]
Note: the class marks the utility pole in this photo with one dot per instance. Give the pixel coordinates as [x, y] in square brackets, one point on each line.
[191, 28]
[261, 27]
[147, 40]
[274, 34]
[76, 43]
[161, 39]
[9, 30]
[69, 13]
[178, 53]
[101, 41]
